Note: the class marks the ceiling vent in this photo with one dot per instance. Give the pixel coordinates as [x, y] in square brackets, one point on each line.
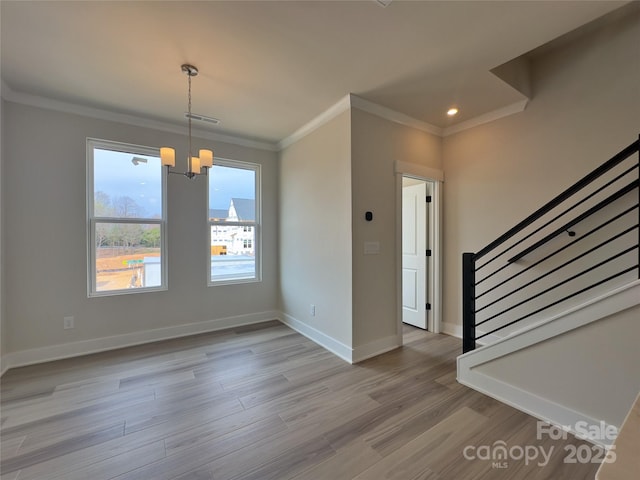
[201, 118]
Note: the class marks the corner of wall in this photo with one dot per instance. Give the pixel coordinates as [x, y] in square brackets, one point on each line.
[3, 328]
[379, 144]
[315, 234]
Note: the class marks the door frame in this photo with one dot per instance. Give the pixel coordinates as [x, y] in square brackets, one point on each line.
[435, 178]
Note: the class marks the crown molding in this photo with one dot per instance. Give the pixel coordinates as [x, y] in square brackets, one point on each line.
[398, 117]
[511, 109]
[344, 104]
[329, 114]
[354, 101]
[67, 107]
[393, 115]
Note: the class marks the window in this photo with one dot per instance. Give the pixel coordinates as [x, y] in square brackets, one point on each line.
[126, 219]
[234, 222]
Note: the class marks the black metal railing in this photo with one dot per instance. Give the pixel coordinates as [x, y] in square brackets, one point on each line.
[505, 290]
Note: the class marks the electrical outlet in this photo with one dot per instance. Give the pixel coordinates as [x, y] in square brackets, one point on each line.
[68, 323]
[312, 310]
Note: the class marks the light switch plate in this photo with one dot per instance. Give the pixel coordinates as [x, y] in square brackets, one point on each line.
[371, 248]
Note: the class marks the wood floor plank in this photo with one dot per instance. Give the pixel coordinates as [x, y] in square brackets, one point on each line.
[10, 476]
[346, 464]
[51, 437]
[173, 428]
[10, 446]
[284, 399]
[417, 458]
[282, 455]
[43, 421]
[412, 422]
[213, 430]
[87, 456]
[326, 412]
[207, 450]
[259, 402]
[368, 424]
[60, 448]
[289, 463]
[112, 466]
[163, 410]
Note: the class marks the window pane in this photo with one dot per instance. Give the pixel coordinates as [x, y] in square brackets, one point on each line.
[127, 256]
[232, 194]
[233, 254]
[126, 185]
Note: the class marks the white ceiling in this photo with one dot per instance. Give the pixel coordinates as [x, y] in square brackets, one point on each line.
[267, 68]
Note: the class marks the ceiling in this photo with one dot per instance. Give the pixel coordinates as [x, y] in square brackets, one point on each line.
[268, 67]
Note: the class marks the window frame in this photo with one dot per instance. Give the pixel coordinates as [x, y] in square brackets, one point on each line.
[92, 220]
[257, 224]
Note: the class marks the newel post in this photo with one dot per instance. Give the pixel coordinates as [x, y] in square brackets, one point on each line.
[468, 302]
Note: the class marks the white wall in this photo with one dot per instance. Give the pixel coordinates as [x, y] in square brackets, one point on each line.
[591, 380]
[44, 230]
[585, 108]
[376, 144]
[315, 234]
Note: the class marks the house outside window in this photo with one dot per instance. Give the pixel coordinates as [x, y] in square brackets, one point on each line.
[234, 222]
[126, 212]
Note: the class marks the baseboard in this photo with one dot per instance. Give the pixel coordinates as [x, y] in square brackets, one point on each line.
[4, 365]
[68, 350]
[451, 329]
[375, 348]
[85, 347]
[456, 331]
[334, 346]
[543, 409]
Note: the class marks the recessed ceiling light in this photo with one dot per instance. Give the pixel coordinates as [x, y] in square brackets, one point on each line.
[452, 111]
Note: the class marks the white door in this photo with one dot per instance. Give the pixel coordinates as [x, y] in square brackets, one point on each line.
[414, 258]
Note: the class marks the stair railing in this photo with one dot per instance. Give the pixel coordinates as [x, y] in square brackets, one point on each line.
[605, 205]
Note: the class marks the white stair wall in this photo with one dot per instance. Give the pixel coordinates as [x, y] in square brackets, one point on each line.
[578, 368]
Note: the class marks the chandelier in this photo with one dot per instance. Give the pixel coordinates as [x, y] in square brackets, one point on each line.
[204, 160]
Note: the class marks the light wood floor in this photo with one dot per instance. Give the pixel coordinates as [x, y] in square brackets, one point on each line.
[260, 402]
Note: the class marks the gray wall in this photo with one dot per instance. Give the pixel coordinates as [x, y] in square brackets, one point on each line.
[45, 233]
[376, 144]
[328, 180]
[3, 327]
[315, 229]
[585, 108]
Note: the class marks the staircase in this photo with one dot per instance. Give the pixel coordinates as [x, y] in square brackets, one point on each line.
[551, 308]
